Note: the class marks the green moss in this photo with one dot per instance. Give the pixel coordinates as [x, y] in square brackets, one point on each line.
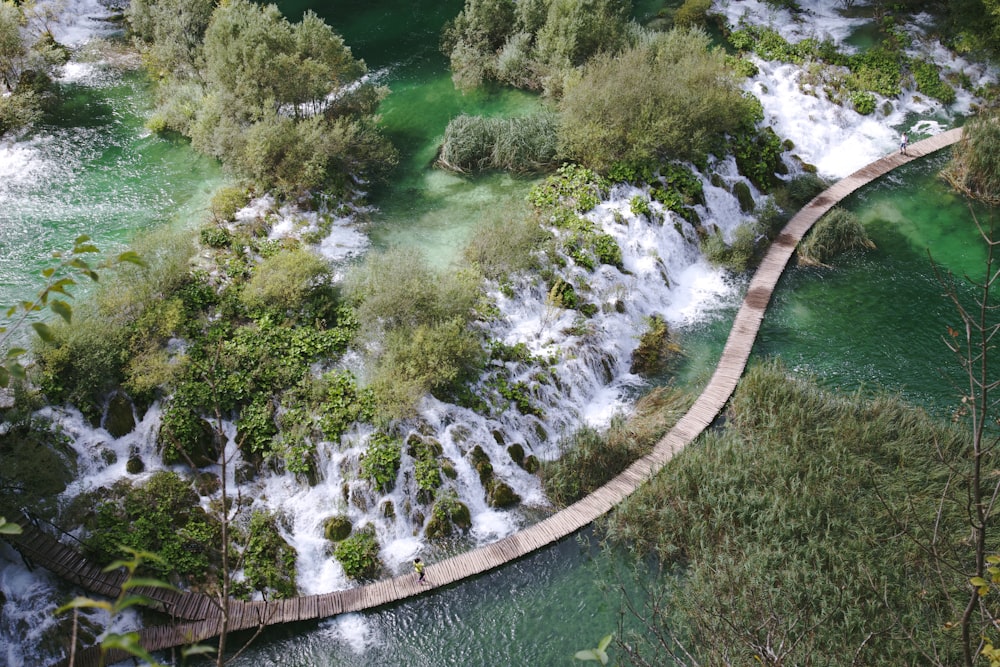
[336, 527]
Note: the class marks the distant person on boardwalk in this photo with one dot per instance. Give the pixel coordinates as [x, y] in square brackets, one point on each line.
[418, 565]
[903, 142]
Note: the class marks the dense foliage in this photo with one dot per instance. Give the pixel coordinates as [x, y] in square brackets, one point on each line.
[281, 104]
[802, 529]
[531, 44]
[669, 97]
[29, 56]
[974, 169]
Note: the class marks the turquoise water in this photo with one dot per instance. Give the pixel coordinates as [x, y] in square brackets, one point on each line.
[536, 611]
[878, 319]
[93, 169]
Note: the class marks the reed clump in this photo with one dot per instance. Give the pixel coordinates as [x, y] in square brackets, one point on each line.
[974, 169]
[837, 232]
[801, 521]
[519, 144]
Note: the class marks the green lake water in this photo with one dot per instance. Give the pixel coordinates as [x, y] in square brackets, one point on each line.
[93, 169]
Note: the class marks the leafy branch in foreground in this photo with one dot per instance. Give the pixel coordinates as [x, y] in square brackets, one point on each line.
[64, 274]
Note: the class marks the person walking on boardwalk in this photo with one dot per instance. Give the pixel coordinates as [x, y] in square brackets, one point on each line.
[903, 142]
[418, 565]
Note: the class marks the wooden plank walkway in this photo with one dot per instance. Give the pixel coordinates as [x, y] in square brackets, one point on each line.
[249, 615]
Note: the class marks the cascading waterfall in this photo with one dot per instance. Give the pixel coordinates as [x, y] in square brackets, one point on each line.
[587, 363]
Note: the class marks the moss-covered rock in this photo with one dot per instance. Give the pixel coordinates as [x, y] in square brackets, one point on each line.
[516, 452]
[336, 527]
[655, 349]
[501, 495]
[448, 468]
[531, 464]
[448, 515]
[134, 465]
[744, 196]
[481, 462]
[119, 419]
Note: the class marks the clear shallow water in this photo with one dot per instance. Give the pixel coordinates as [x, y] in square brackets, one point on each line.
[876, 320]
[537, 611]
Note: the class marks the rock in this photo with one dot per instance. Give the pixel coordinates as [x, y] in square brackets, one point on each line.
[388, 509]
[516, 452]
[531, 464]
[743, 195]
[134, 465]
[481, 462]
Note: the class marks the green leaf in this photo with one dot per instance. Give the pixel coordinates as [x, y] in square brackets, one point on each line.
[15, 352]
[130, 601]
[43, 331]
[148, 583]
[198, 649]
[132, 258]
[130, 644]
[603, 644]
[8, 528]
[978, 581]
[84, 603]
[49, 272]
[62, 309]
[589, 655]
[4, 377]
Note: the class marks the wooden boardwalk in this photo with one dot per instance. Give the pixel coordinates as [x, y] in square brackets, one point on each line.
[248, 615]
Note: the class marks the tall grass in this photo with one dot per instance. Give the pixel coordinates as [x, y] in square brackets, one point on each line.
[592, 458]
[522, 143]
[974, 169]
[838, 231]
[796, 526]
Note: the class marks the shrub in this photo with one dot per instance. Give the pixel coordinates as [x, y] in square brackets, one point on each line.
[838, 231]
[283, 282]
[380, 461]
[671, 97]
[639, 205]
[268, 560]
[227, 201]
[863, 102]
[692, 12]
[163, 516]
[500, 248]
[358, 554]
[929, 82]
[737, 256]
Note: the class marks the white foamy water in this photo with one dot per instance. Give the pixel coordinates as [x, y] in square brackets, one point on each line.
[836, 139]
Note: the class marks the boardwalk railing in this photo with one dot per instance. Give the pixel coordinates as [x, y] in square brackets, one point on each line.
[732, 363]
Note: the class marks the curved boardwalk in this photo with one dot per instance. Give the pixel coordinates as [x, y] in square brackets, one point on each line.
[248, 615]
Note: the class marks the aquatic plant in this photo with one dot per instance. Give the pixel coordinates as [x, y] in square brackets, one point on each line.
[837, 231]
[521, 143]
